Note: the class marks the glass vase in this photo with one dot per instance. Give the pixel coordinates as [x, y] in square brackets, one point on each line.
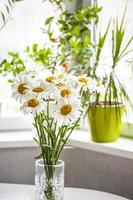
[49, 181]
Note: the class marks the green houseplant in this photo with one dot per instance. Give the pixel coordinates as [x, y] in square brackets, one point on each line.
[74, 40]
[76, 53]
[105, 112]
[70, 50]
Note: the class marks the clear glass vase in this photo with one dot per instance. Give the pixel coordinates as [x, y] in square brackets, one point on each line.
[49, 181]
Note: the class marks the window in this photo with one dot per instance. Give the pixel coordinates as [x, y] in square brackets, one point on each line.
[22, 29]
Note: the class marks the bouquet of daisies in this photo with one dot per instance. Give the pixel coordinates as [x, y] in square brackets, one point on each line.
[54, 101]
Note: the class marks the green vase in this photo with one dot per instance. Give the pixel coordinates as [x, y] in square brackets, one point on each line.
[105, 122]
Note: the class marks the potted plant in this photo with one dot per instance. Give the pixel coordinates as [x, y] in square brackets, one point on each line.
[110, 97]
[110, 94]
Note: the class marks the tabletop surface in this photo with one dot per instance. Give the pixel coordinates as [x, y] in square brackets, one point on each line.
[27, 192]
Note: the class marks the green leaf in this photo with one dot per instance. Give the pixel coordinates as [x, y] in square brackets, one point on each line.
[27, 49]
[3, 17]
[49, 20]
[7, 8]
[86, 41]
[34, 47]
[10, 3]
[76, 30]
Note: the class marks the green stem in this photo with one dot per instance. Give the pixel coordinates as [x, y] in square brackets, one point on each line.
[65, 141]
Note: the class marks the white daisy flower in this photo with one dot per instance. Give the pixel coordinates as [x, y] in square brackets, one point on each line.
[68, 79]
[66, 91]
[87, 83]
[49, 77]
[36, 88]
[83, 80]
[42, 89]
[33, 105]
[20, 88]
[66, 111]
[66, 86]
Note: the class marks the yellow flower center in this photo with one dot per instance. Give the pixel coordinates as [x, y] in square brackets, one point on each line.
[66, 109]
[50, 79]
[83, 80]
[54, 39]
[65, 93]
[38, 89]
[22, 88]
[32, 103]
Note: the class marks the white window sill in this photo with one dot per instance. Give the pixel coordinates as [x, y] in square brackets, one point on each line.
[80, 138]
